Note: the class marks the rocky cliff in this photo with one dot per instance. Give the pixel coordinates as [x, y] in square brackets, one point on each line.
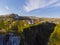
[37, 35]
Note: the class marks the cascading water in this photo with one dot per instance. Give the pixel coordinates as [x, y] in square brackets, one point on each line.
[11, 39]
[1, 39]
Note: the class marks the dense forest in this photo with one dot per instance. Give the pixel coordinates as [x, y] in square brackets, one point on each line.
[32, 30]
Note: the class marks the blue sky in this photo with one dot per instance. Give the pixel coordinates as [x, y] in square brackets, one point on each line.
[39, 8]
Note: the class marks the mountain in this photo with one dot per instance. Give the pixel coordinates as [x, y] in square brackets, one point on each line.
[16, 16]
[32, 19]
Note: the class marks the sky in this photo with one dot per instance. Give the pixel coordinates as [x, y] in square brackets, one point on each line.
[39, 8]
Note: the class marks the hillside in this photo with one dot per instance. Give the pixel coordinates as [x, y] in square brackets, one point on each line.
[31, 30]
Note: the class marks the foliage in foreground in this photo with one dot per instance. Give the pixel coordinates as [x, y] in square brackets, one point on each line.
[55, 36]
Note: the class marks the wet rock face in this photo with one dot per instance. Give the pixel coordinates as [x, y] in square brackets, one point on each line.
[37, 35]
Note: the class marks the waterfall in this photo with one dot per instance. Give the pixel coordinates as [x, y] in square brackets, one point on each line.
[12, 39]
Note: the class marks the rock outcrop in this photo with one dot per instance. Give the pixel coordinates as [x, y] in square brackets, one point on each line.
[37, 35]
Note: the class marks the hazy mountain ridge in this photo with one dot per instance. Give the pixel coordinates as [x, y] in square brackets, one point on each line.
[19, 17]
[30, 18]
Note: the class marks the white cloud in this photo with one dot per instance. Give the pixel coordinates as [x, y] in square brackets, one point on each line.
[35, 4]
[6, 7]
[52, 2]
[57, 5]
